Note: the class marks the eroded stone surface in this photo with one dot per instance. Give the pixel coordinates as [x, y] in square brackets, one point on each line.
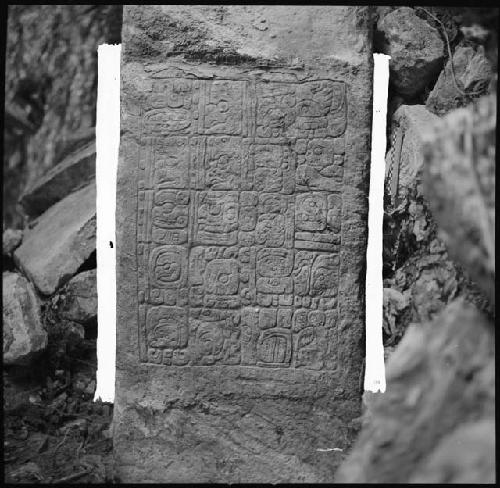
[241, 232]
[63, 238]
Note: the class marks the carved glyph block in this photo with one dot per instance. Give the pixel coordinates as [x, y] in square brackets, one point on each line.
[241, 207]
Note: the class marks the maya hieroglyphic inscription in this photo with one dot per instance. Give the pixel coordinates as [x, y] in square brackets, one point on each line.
[239, 219]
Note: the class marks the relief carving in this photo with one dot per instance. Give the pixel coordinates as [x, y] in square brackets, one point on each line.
[239, 222]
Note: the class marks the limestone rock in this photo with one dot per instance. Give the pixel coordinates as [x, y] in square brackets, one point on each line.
[72, 173]
[11, 240]
[63, 238]
[441, 376]
[473, 73]
[460, 186]
[411, 123]
[79, 298]
[23, 334]
[448, 464]
[415, 47]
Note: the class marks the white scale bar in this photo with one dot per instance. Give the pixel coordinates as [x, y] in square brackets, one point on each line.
[107, 144]
[375, 367]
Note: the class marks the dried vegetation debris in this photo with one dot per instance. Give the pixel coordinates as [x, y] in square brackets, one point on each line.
[54, 431]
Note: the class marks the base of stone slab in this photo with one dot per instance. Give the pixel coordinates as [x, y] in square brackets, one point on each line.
[173, 430]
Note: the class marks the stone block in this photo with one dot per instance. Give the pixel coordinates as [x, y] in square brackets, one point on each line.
[457, 85]
[63, 238]
[23, 334]
[78, 298]
[416, 50]
[72, 173]
[410, 123]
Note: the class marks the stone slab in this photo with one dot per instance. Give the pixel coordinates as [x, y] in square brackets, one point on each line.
[75, 171]
[241, 239]
[411, 123]
[62, 239]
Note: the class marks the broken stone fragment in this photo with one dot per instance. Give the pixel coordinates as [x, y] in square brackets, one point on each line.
[473, 73]
[23, 333]
[441, 376]
[79, 298]
[410, 123]
[416, 50]
[11, 240]
[63, 238]
[459, 182]
[72, 173]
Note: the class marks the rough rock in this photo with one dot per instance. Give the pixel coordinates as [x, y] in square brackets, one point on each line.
[63, 238]
[440, 377]
[23, 333]
[11, 240]
[460, 186]
[416, 50]
[245, 130]
[50, 86]
[78, 298]
[448, 464]
[72, 173]
[73, 333]
[473, 73]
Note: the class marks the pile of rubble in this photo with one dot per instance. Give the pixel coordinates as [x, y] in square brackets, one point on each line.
[435, 422]
[434, 68]
[50, 327]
